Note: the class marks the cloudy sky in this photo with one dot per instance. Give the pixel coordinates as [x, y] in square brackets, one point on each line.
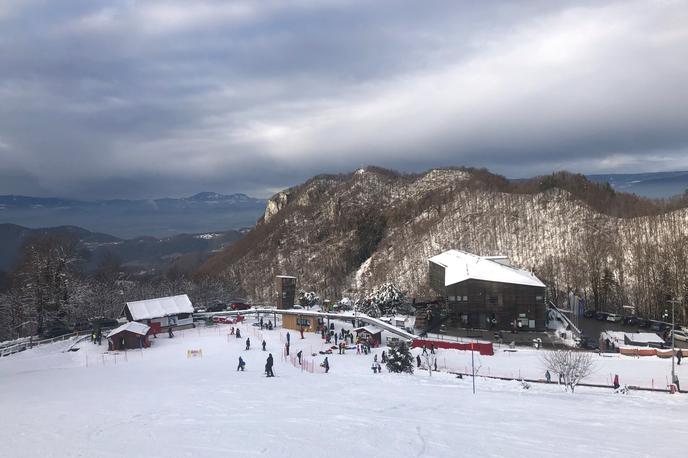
[105, 98]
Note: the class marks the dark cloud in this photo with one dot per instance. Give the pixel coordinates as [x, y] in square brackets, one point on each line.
[143, 99]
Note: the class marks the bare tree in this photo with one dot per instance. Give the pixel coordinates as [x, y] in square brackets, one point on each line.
[570, 366]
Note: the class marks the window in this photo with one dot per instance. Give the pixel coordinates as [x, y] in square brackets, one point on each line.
[453, 298]
[492, 299]
[465, 298]
[538, 298]
[305, 322]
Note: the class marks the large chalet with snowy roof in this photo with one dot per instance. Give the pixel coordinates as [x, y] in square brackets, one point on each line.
[487, 292]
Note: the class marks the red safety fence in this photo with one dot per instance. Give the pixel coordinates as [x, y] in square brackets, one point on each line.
[484, 348]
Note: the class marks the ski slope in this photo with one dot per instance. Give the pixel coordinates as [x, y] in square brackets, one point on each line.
[159, 403]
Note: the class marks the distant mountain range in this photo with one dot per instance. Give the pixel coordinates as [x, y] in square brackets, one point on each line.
[149, 254]
[656, 185]
[203, 212]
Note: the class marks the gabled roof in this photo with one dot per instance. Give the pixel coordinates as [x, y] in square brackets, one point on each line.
[461, 266]
[368, 329]
[156, 308]
[132, 326]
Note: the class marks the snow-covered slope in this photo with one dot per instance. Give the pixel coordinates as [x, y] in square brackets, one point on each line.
[159, 403]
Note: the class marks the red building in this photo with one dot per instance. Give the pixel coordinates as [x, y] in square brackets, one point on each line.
[131, 335]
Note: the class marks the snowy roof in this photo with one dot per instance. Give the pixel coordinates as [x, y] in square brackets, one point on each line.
[461, 266]
[285, 276]
[132, 326]
[637, 337]
[156, 308]
[368, 329]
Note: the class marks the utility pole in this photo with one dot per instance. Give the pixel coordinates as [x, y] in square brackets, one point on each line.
[473, 367]
[673, 340]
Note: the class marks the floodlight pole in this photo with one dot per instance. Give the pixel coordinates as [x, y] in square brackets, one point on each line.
[673, 342]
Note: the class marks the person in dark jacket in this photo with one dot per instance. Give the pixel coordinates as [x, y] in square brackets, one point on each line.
[384, 357]
[288, 337]
[418, 360]
[248, 343]
[169, 332]
[263, 345]
[326, 365]
[268, 366]
[679, 356]
[616, 381]
[238, 334]
[298, 355]
[241, 365]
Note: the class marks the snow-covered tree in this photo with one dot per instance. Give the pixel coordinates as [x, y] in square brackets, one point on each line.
[571, 366]
[400, 358]
[382, 301]
[308, 299]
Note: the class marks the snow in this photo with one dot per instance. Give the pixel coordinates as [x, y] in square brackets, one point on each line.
[160, 403]
[618, 337]
[163, 306]
[460, 266]
[132, 326]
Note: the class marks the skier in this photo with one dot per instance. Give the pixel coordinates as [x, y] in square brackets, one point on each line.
[384, 357]
[374, 367]
[301, 330]
[241, 365]
[432, 349]
[288, 337]
[375, 359]
[616, 381]
[93, 336]
[335, 338]
[263, 345]
[425, 350]
[379, 368]
[548, 376]
[270, 325]
[679, 355]
[286, 348]
[418, 360]
[268, 366]
[326, 365]
[238, 333]
[231, 331]
[248, 343]
[169, 332]
[298, 355]
[261, 323]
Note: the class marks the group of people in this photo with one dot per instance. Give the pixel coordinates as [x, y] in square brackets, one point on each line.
[266, 326]
[97, 336]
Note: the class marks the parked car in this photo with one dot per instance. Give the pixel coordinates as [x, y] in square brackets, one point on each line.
[659, 326]
[104, 323]
[217, 307]
[56, 330]
[589, 313]
[614, 318]
[631, 320]
[601, 316]
[643, 323]
[239, 306]
[680, 335]
[589, 343]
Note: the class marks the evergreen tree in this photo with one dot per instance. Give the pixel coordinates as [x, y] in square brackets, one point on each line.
[400, 359]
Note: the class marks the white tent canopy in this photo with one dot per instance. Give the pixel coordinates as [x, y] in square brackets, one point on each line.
[157, 308]
[460, 266]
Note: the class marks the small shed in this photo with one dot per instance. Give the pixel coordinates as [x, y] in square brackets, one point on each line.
[129, 336]
[307, 323]
[161, 312]
[370, 334]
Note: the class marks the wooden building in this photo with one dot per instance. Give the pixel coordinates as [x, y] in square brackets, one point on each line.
[130, 335]
[160, 313]
[298, 322]
[369, 334]
[286, 291]
[487, 292]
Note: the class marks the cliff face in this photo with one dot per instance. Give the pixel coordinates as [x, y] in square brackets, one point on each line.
[344, 235]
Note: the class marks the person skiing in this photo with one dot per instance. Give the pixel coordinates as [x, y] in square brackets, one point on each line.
[238, 333]
[268, 366]
[383, 358]
[248, 343]
[93, 336]
[263, 344]
[418, 360]
[241, 365]
[286, 348]
[169, 332]
[288, 337]
[298, 355]
[679, 355]
[301, 330]
[425, 350]
[548, 376]
[326, 365]
[375, 358]
[432, 349]
[616, 381]
[231, 331]
[374, 367]
[335, 338]
[261, 323]
[270, 325]
[379, 368]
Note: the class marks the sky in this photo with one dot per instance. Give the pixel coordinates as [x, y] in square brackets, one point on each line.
[141, 99]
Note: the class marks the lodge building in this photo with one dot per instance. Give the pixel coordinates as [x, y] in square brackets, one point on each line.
[487, 292]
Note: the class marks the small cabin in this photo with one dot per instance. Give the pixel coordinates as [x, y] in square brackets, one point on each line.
[162, 312]
[369, 334]
[130, 335]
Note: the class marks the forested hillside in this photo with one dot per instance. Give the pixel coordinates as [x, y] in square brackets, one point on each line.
[346, 234]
